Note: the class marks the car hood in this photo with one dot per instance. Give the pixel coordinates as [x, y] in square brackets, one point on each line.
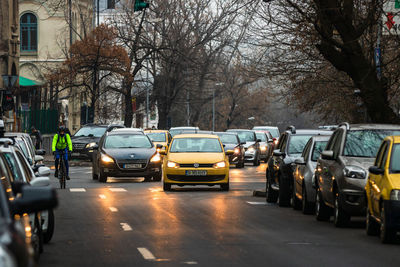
[186, 158]
[364, 163]
[230, 146]
[126, 153]
[249, 144]
[84, 139]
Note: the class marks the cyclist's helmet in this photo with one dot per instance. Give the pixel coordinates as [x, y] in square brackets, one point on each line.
[61, 129]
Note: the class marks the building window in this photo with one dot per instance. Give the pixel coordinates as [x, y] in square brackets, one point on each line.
[28, 24]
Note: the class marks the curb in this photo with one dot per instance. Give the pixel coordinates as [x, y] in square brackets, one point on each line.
[259, 193]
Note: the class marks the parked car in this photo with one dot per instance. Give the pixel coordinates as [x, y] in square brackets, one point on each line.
[251, 146]
[303, 196]
[162, 137]
[87, 137]
[281, 165]
[196, 159]
[383, 191]
[265, 142]
[342, 170]
[24, 141]
[184, 129]
[231, 142]
[272, 129]
[124, 153]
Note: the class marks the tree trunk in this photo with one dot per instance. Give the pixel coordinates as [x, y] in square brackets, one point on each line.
[128, 116]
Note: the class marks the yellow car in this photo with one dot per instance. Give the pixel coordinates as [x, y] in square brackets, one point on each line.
[383, 191]
[161, 137]
[196, 159]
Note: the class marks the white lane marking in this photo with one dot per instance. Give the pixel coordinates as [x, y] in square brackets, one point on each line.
[117, 189]
[77, 190]
[126, 227]
[102, 196]
[257, 203]
[113, 209]
[147, 255]
[190, 262]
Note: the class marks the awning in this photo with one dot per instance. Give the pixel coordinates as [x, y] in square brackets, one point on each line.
[28, 82]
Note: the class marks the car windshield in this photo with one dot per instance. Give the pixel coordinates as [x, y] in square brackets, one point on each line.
[395, 160]
[297, 143]
[274, 131]
[246, 136]
[127, 141]
[12, 163]
[95, 131]
[23, 147]
[262, 137]
[228, 139]
[157, 137]
[365, 143]
[318, 148]
[196, 144]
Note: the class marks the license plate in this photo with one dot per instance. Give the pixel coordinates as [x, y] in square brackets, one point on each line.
[75, 154]
[196, 173]
[133, 166]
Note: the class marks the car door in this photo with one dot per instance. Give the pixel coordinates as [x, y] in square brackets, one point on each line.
[335, 170]
[279, 159]
[375, 181]
[301, 169]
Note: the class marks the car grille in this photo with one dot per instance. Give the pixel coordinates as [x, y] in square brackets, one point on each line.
[78, 146]
[207, 178]
[202, 165]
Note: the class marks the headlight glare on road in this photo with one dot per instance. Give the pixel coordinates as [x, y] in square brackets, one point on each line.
[354, 172]
[106, 159]
[172, 164]
[90, 145]
[237, 150]
[395, 195]
[221, 164]
[156, 158]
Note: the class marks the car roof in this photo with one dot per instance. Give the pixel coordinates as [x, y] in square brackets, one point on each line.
[155, 131]
[265, 127]
[310, 131]
[196, 136]
[184, 128]
[241, 130]
[230, 133]
[128, 130]
[373, 126]
[125, 132]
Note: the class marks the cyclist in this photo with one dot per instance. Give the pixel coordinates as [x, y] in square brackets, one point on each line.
[61, 142]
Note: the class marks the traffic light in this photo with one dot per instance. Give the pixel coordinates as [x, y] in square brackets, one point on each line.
[140, 5]
[8, 101]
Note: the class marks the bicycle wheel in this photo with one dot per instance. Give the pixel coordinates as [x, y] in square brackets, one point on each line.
[64, 176]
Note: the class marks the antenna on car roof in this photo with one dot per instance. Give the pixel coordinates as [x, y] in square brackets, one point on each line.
[346, 124]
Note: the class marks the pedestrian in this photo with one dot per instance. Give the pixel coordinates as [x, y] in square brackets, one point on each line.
[37, 137]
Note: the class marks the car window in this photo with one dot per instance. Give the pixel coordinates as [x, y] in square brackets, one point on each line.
[338, 143]
[395, 159]
[384, 158]
[365, 143]
[211, 145]
[306, 150]
[13, 165]
[25, 165]
[331, 141]
[157, 137]
[95, 131]
[246, 136]
[262, 137]
[317, 150]
[6, 178]
[127, 141]
[297, 143]
[379, 155]
[228, 139]
[282, 142]
[23, 147]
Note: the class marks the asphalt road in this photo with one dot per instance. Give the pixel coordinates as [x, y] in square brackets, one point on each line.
[127, 222]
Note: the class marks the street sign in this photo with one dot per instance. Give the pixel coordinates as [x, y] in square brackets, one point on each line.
[391, 17]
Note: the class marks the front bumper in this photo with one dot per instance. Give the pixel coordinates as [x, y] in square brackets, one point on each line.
[250, 156]
[392, 209]
[353, 202]
[81, 154]
[178, 176]
[114, 170]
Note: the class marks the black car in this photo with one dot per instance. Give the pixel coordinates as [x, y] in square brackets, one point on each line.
[251, 145]
[231, 141]
[87, 137]
[124, 153]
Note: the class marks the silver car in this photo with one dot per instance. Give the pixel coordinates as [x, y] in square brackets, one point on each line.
[303, 189]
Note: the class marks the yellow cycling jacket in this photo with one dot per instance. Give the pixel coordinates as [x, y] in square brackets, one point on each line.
[61, 142]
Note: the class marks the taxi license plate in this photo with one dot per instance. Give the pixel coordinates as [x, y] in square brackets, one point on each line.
[132, 166]
[196, 173]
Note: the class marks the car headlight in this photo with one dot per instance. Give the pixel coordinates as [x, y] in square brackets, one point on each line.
[90, 145]
[155, 158]
[221, 164]
[263, 148]
[106, 159]
[251, 149]
[236, 151]
[395, 195]
[171, 164]
[354, 172]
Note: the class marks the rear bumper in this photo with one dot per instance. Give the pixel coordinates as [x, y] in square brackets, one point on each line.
[392, 209]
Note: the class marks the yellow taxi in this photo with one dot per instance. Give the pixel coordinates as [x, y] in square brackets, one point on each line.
[383, 191]
[196, 159]
[162, 137]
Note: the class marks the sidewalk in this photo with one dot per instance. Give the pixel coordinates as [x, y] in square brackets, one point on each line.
[49, 161]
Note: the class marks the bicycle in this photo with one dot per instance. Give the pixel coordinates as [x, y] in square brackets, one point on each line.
[62, 170]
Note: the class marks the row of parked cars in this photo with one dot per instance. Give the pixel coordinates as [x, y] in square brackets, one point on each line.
[350, 170]
[26, 201]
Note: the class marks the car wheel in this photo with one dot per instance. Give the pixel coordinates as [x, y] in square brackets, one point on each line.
[387, 234]
[94, 175]
[50, 227]
[307, 207]
[166, 187]
[284, 191]
[322, 212]
[340, 217]
[256, 161]
[102, 177]
[225, 187]
[372, 226]
[37, 239]
[296, 203]
[271, 194]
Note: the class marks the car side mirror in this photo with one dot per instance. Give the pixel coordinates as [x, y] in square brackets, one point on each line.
[242, 143]
[229, 152]
[163, 152]
[300, 161]
[43, 171]
[327, 154]
[40, 181]
[38, 158]
[40, 152]
[375, 170]
[278, 153]
[258, 140]
[159, 146]
[34, 199]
